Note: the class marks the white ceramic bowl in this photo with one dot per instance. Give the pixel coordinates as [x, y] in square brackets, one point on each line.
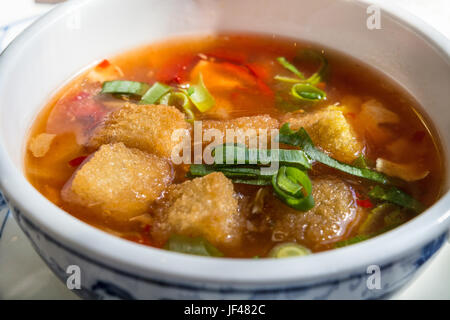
[78, 33]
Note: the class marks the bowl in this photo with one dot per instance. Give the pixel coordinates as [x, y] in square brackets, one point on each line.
[79, 33]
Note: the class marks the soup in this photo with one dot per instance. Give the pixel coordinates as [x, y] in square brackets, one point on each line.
[237, 146]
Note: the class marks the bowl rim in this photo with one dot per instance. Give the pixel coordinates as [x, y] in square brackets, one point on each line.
[150, 262]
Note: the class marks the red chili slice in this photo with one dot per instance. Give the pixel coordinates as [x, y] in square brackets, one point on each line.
[77, 161]
[366, 203]
[177, 70]
[104, 64]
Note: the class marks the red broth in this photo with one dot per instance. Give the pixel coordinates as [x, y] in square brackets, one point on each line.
[250, 60]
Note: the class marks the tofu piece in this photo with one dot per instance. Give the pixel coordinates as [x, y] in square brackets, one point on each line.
[40, 144]
[118, 183]
[145, 127]
[374, 115]
[104, 71]
[327, 221]
[243, 124]
[329, 130]
[205, 207]
[406, 171]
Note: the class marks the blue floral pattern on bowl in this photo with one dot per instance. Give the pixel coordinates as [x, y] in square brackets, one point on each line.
[102, 281]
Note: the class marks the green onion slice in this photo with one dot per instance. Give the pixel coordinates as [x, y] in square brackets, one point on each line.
[396, 196]
[317, 76]
[200, 96]
[196, 246]
[307, 92]
[288, 249]
[240, 154]
[293, 187]
[125, 87]
[155, 93]
[301, 139]
[179, 99]
[351, 241]
[360, 162]
[246, 175]
[383, 217]
[288, 79]
[290, 67]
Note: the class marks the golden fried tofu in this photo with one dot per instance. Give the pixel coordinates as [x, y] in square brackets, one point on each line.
[335, 208]
[205, 207]
[118, 182]
[146, 127]
[248, 126]
[330, 130]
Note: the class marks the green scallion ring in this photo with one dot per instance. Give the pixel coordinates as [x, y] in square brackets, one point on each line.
[300, 197]
[287, 250]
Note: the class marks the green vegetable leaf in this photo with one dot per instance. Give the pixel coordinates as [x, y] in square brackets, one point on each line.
[307, 92]
[293, 187]
[240, 154]
[396, 196]
[196, 246]
[200, 96]
[181, 100]
[238, 174]
[155, 93]
[360, 162]
[125, 87]
[290, 67]
[303, 140]
[350, 241]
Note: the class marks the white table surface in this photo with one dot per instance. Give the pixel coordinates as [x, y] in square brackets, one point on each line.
[23, 275]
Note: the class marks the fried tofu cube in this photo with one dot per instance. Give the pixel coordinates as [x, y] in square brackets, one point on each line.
[118, 183]
[205, 207]
[330, 130]
[145, 127]
[335, 209]
[244, 127]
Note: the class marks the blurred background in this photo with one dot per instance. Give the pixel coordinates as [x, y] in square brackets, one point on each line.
[23, 275]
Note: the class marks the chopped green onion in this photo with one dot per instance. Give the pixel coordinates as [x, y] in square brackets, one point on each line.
[289, 249]
[179, 99]
[375, 219]
[237, 174]
[396, 218]
[350, 241]
[125, 87]
[288, 79]
[155, 93]
[317, 76]
[200, 96]
[307, 92]
[196, 246]
[290, 67]
[360, 162]
[303, 140]
[396, 196]
[283, 184]
[240, 154]
[385, 214]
